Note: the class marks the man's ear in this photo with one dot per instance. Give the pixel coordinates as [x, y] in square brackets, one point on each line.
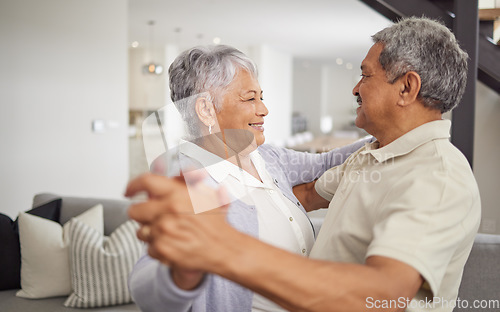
[205, 111]
[410, 84]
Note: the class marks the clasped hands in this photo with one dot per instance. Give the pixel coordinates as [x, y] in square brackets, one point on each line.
[176, 234]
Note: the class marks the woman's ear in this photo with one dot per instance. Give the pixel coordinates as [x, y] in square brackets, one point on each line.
[205, 111]
[410, 87]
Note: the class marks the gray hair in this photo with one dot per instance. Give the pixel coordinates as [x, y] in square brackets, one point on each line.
[430, 49]
[206, 70]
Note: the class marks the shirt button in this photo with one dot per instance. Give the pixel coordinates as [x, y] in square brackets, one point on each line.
[298, 203]
[304, 251]
[271, 191]
[291, 219]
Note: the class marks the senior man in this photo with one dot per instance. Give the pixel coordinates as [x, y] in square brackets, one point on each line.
[404, 210]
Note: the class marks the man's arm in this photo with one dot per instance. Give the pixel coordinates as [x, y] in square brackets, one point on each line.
[208, 243]
[302, 284]
[310, 199]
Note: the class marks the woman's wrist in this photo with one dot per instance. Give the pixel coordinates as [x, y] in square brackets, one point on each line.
[186, 279]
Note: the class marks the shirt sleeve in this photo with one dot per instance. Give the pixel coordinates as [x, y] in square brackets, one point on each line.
[327, 184]
[425, 221]
[153, 289]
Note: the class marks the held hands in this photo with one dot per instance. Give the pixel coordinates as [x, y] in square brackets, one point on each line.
[175, 234]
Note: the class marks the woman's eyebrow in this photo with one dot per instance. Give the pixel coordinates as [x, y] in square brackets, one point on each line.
[248, 91]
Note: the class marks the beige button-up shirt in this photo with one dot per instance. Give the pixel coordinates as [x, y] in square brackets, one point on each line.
[414, 200]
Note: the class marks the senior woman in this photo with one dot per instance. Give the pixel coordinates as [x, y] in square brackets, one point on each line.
[216, 91]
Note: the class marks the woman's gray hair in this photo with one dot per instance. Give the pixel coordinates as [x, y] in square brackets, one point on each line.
[204, 71]
[430, 49]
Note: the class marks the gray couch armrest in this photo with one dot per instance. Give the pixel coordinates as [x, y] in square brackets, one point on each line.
[10, 303]
[481, 278]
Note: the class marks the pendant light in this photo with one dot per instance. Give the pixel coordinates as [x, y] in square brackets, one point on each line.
[152, 67]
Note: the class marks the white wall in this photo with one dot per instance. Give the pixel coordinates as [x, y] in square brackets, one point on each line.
[324, 88]
[276, 80]
[307, 92]
[338, 100]
[63, 63]
[486, 156]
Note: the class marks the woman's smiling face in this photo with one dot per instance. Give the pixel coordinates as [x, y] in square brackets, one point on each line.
[243, 107]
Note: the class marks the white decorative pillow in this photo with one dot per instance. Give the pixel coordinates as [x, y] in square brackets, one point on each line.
[100, 265]
[45, 270]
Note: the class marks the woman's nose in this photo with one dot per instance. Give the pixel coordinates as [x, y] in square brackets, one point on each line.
[261, 109]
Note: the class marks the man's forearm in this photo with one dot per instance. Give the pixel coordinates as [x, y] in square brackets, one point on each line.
[302, 284]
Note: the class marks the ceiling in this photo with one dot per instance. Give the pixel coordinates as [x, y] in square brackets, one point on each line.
[316, 29]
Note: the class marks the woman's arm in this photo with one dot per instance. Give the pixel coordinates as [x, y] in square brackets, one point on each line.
[302, 167]
[153, 286]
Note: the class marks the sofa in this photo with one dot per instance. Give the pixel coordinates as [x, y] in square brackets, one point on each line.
[481, 279]
[480, 282]
[114, 215]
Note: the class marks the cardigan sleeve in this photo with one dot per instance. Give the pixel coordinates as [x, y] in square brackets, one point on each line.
[303, 167]
[153, 289]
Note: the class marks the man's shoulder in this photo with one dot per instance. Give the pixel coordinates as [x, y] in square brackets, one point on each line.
[450, 156]
[442, 163]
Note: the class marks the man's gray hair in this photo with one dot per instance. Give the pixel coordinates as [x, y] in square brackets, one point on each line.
[207, 71]
[430, 49]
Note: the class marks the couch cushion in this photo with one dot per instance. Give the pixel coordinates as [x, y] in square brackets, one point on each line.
[45, 268]
[100, 265]
[115, 210]
[10, 256]
[9, 253]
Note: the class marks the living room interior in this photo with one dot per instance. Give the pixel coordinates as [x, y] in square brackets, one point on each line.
[71, 79]
[75, 91]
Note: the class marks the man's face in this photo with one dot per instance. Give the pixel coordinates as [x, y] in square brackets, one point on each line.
[376, 97]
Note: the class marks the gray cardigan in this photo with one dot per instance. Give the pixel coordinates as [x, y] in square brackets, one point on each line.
[150, 283]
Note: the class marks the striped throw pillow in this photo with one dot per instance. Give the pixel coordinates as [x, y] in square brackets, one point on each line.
[100, 265]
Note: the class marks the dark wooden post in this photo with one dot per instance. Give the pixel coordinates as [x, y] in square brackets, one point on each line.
[466, 29]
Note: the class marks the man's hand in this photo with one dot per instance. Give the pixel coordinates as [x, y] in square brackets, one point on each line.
[175, 234]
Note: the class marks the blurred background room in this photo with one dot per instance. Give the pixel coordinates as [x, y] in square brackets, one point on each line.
[79, 80]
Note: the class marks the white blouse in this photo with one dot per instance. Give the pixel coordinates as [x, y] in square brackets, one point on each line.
[281, 223]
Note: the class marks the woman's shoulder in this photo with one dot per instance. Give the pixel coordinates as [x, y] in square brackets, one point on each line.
[268, 150]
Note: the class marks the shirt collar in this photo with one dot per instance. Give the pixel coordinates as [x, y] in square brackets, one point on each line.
[219, 168]
[439, 129]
